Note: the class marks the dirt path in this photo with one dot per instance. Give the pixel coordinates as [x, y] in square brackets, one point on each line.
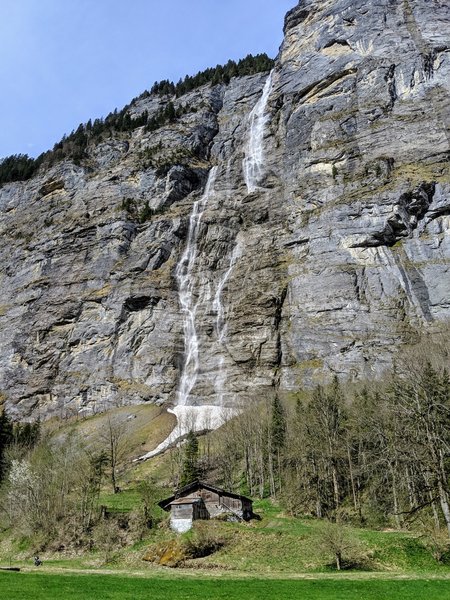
[228, 574]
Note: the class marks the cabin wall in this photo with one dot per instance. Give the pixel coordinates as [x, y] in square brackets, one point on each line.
[210, 497]
[234, 504]
[182, 511]
[214, 505]
[180, 525]
[200, 512]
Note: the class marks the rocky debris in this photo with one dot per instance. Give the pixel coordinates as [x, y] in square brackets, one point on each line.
[343, 249]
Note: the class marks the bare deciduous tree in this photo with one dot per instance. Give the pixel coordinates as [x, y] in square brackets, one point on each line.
[114, 443]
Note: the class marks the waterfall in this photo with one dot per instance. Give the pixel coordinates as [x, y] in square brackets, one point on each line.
[254, 152]
[221, 324]
[188, 300]
[217, 304]
[191, 417]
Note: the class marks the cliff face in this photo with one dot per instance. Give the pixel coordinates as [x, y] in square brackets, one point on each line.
[318, 243]
[366, 108]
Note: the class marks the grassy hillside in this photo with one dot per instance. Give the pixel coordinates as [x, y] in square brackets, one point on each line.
[146, 426]
[276, 545]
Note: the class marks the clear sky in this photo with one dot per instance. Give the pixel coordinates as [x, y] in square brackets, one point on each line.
[65, 61]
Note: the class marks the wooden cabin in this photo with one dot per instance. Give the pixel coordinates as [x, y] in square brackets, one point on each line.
[200, 500]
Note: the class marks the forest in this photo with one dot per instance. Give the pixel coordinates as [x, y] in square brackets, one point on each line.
[373, 454]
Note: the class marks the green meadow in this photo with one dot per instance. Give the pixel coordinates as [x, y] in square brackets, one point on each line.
[51, 586]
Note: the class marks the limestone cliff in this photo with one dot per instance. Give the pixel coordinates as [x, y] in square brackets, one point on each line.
[322, 244]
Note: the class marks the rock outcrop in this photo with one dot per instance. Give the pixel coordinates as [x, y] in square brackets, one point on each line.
[337, 256]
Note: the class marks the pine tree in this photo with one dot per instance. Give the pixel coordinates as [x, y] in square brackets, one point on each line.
[5, 440]
[170, 112]
[190, 469]
[277, 440]
[278, 426]
[27, 435]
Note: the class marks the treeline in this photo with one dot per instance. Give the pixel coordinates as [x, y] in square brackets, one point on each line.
[23, 435]
[377, 456]
[17, 167]
[215, 75]
[20, 167]
[51, 488]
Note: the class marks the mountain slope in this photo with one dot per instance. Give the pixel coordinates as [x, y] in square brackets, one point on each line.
[322, 244]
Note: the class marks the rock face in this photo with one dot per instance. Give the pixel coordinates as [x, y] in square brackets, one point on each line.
[366, 108]
[334, 257]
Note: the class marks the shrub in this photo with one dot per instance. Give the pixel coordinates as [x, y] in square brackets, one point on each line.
[171, 553]
[339, 543]
[204, 541]
[107, 537]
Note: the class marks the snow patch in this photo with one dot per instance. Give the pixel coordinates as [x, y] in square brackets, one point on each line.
[192, 418]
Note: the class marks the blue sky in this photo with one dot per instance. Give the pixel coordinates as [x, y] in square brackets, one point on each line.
[65, 61]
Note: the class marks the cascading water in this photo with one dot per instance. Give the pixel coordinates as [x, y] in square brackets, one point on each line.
[198, 418]
[188, 302]
[254, 152]
[218, 304]
[191, 418]
[221, 324]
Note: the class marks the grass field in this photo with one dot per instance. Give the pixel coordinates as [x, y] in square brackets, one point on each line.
[41, 586]
[276, 546]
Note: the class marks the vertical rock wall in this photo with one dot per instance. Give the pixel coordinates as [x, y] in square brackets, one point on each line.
[338, 256]
[364, 123]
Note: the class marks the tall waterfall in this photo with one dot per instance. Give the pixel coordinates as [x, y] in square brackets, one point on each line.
[191, 418]
[187, 296]
[201, 417]
[254, 151]
[217, 303]
[221, 323]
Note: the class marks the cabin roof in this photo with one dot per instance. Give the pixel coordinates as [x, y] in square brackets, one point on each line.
[187, 500]
[195, 485]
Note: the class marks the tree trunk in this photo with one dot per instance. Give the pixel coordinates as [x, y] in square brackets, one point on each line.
[352, 480]
[395, 499]
[335, 485]
[426, 478]
[443, 497]
[443, 493]
[271, 467]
